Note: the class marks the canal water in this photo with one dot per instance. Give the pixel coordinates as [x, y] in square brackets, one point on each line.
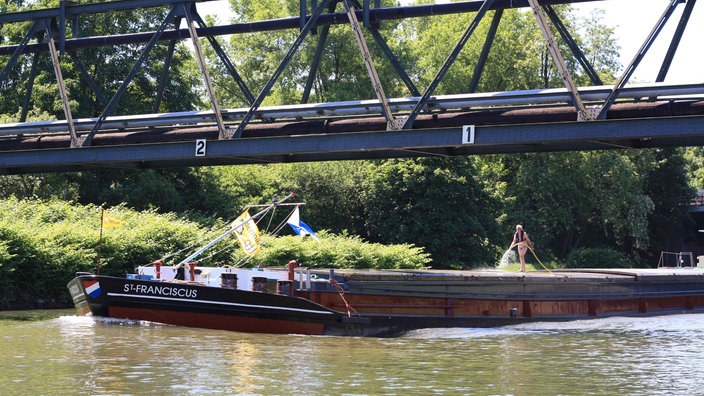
[58, 353]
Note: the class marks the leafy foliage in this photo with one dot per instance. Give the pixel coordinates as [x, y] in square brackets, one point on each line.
[582, 199]
[44, 243]
[340, 251]
[671, 191]
[107, 68]
[596, 258]
[436, 203]
[333, 192]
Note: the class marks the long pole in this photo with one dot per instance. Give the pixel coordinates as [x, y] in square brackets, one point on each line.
[231, 230]
[100, 239]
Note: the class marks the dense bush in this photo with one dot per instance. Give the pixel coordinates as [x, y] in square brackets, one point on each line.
[596, 258]
[44, 243]
[339, 251]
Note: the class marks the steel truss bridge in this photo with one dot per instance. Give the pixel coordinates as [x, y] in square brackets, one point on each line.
[567, 118]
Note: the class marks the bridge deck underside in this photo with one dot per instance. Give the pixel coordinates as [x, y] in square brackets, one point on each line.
[442, 141]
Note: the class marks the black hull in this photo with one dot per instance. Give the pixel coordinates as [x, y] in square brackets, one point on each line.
[193, 305]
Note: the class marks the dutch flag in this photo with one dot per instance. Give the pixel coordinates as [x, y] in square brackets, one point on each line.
[92, 288]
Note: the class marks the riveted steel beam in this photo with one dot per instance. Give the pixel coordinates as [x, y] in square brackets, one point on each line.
[488, 42]
[85, 140]
[61, 84]
[448, 141]
[391, 123]
[675, 41]
[377, 15]
[73, 10]
[279, 70]
[204, 70]
[229, 66]
[572, 44]
[320, 47]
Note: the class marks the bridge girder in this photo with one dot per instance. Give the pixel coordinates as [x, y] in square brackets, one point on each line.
[449, 141]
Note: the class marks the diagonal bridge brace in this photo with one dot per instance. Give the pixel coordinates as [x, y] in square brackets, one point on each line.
[554, 49]
[381, 42]
[204, 70]
[279, 70]
[44, 25]
[86, 140]
[486, 5]
[75, 140]
[392, 124]
[628, 72]
[183, 9]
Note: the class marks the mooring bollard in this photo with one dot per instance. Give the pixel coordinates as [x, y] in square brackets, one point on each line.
[284, 287]
[259, 284]
[228, 280]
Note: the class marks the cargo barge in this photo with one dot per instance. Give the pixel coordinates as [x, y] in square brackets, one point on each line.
[299, 300]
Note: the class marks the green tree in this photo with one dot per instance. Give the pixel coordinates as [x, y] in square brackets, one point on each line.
[598, 43]
[581, 199]
[341, 76]
[434, 203]
[43, 243]
[667, 183]
[694, 165]
[333, 192]
[518, 59]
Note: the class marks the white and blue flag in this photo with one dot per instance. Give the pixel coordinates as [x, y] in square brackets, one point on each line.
[299, 227]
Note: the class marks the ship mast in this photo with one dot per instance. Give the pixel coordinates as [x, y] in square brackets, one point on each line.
[231, 230]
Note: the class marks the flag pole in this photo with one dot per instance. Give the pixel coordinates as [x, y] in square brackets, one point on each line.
[100, 239]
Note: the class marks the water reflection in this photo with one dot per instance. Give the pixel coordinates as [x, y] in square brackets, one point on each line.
[243, 362]
[81, 355]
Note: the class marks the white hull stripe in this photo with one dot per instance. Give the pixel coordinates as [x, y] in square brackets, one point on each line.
[221, 303]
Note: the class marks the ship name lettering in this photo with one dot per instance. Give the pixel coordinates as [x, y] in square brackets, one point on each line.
[159, 290]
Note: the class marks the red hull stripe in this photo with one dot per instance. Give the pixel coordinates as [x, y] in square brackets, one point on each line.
[218, 322]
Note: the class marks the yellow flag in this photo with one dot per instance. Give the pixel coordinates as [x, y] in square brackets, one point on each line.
[247, 233]
[109, 222]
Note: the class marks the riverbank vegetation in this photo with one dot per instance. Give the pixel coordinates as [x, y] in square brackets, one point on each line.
[598, 208]
[44, 243]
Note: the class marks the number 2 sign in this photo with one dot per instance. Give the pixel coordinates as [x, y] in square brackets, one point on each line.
[200, 147]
